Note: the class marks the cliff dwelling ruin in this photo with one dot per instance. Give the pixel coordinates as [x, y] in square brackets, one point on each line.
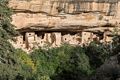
[54, 22]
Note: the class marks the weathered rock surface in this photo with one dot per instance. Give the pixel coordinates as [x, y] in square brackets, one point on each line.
[55, 22]
[64, 14]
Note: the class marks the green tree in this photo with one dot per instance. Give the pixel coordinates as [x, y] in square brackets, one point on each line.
[56, 63]
[74, 66]
[97, 54]
[9, 64]
[27, 67]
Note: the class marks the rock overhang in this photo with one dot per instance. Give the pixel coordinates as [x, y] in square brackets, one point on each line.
[72, 21]
[24, 16]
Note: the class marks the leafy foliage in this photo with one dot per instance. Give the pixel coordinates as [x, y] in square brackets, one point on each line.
[27, 67]
[6, 28]
[97, 54]
[62, 63]
[9, 64]
[8, 61]
[65, 60]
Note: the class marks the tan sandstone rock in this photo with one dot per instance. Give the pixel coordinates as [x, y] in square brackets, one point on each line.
[60, 21]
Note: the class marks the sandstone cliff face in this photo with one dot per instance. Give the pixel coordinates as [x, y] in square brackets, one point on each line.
[67, 6]
[54, 22]
[64, 14]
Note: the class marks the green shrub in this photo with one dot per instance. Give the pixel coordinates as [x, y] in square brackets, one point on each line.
[53, 62]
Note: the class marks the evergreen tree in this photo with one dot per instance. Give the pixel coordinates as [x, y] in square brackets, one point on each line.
[9, 65]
